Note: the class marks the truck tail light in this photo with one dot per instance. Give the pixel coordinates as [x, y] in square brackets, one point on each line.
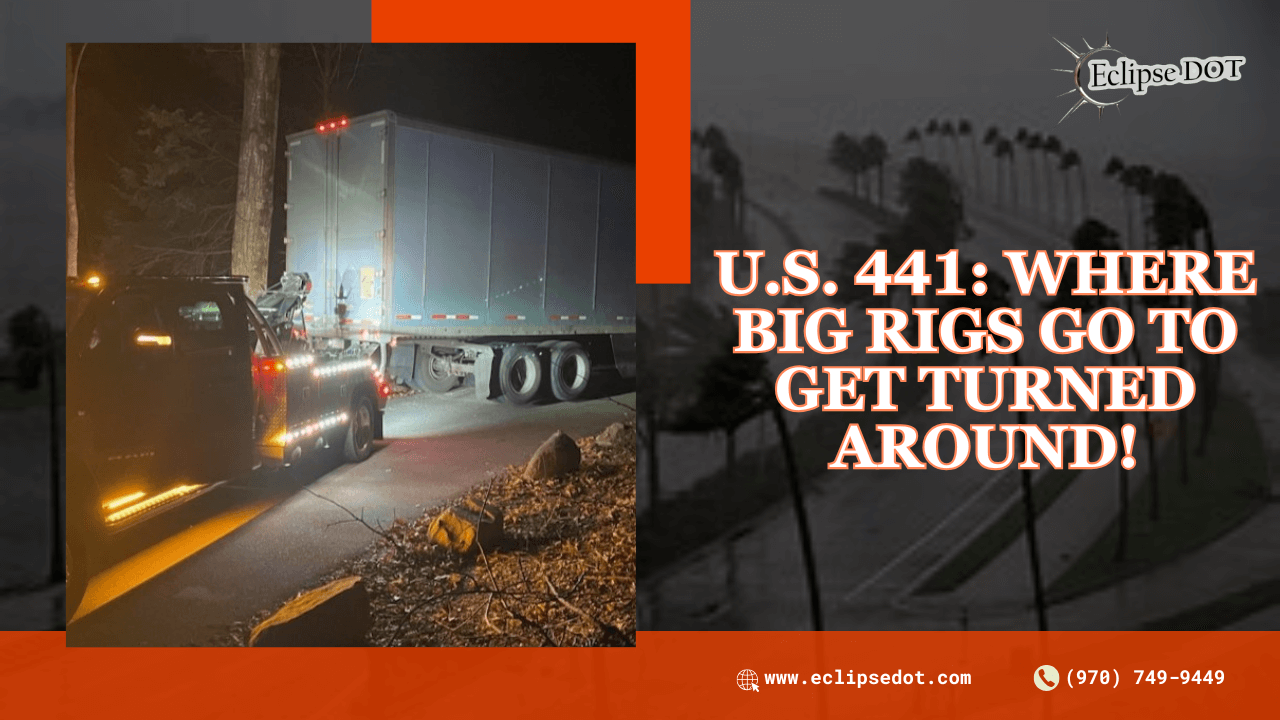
[271, 366]
[331, 125]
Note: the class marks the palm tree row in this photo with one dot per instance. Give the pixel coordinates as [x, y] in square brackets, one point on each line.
[1048, 147]
[711, 147]
[856, 157]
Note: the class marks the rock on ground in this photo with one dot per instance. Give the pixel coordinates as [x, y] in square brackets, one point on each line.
[617, 435]
[466, 529]
[335, 615]
[557, 456]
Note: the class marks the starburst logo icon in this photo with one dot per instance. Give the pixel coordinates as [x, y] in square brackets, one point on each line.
[1081, 59]
[1094, 73]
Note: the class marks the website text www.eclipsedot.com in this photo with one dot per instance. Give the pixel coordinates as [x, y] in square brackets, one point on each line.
[857, 680]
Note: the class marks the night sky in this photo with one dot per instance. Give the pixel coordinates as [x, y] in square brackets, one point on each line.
[577, 98]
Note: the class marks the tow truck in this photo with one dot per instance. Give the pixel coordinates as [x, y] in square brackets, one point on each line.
[176, 385]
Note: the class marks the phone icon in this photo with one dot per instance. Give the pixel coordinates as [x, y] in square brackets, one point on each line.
[1046, 677]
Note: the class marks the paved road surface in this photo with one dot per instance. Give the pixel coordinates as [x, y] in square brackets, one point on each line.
[242, 549]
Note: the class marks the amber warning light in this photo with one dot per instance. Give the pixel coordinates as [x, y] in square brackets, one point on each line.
[331, 125]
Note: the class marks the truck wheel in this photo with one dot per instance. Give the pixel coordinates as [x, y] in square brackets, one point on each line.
[359, 444]
[520, 374]
[436, 375]
[570, 371]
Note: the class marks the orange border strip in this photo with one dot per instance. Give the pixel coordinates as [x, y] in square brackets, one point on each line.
[660, 31]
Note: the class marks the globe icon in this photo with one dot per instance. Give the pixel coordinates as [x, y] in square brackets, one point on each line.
[747, 680]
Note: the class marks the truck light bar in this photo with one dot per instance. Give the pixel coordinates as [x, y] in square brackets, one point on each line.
[122, 500]
[346, 367]
[311, 428]
[298, 361]
[331, 125]
[150, 503]
[157, 340]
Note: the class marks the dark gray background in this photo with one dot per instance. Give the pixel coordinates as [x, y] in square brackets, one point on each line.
[805, 70]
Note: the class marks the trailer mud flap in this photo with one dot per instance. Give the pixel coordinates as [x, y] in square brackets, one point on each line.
[624, 354]
[486, 379]
[403, 357]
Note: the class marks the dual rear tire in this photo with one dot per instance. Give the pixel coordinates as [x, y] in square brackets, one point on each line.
[523, 375]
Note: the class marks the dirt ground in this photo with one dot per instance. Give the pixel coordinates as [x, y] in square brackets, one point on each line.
[563, 574]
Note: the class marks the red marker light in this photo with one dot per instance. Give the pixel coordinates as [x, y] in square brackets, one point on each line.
[320, 127]
[333, 125]
[344, 122]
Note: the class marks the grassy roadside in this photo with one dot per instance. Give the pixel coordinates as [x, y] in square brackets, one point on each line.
[1226, 486]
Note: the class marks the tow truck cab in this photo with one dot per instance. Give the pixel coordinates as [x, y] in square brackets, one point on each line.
[176, 385]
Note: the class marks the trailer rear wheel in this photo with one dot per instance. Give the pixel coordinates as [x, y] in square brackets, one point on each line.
[359, 443]
[570, 370]
[520, 374]
[436, 375]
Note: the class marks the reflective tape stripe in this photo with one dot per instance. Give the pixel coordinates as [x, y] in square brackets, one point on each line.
[515, 317]
[568, 317]
[408, 317]
[441, 316]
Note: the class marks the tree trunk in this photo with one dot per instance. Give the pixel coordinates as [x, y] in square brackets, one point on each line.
[73, 211]
[1013, 183]
[880, 183]
[1050, 204]
[254, 201]
[802, 518]
[1033, 546]
[1066, 199]
[730, 451]
[977, 166]
[1035, 185]
[1084, 193]
[1122, 543]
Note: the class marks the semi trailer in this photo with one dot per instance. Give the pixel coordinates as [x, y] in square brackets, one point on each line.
[442, 254]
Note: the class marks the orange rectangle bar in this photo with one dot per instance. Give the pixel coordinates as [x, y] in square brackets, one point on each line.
[986, 675]
[660, 32]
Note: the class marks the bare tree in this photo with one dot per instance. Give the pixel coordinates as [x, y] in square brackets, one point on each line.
[74, 56]
[329, 63]
[252, 235]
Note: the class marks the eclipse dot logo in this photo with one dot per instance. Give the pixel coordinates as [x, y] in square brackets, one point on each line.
[1046, 677]
[748, 680]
